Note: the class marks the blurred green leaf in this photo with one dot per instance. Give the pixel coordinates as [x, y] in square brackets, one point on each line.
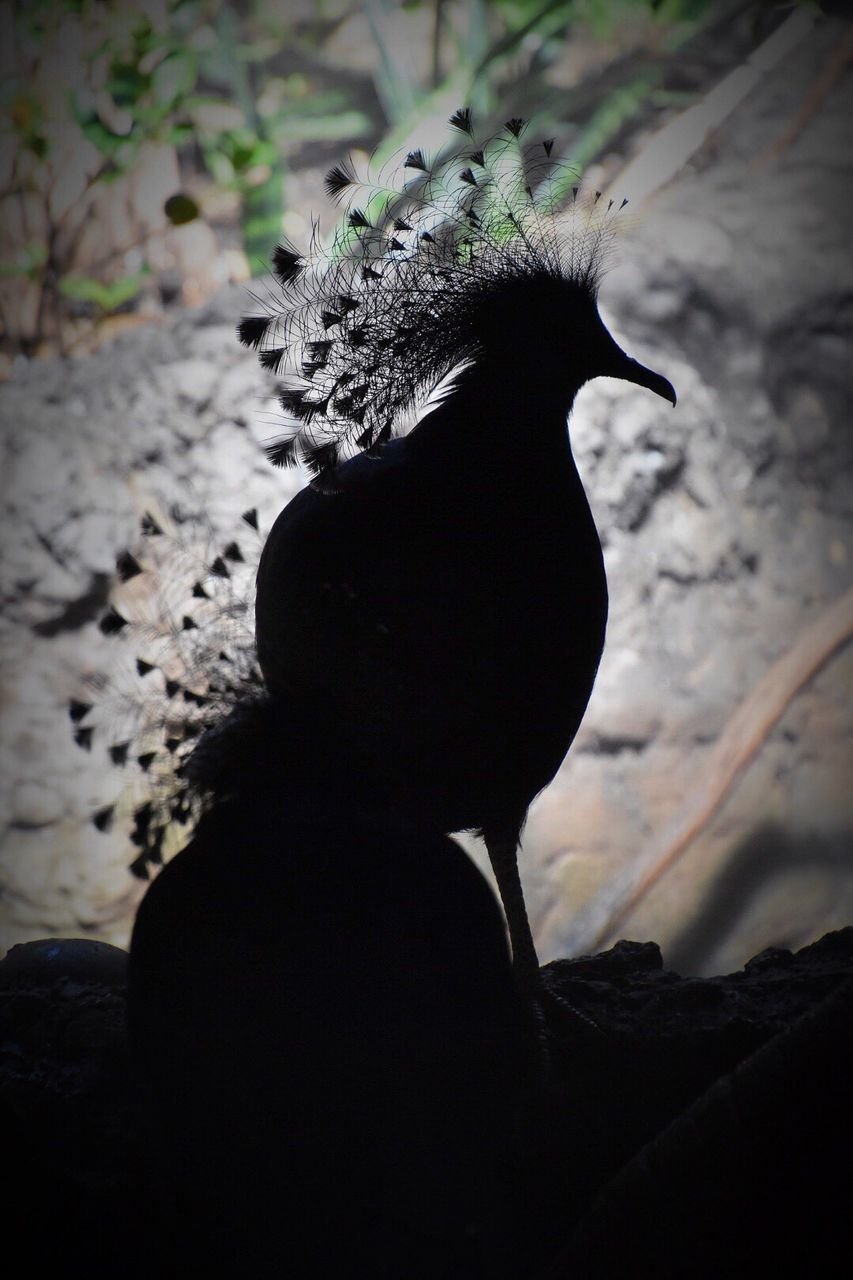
[126, 84]
[107, 142]
[242, 149]
[178, 135]
[291, 127]
[174, 78]
[107, 297]
[115, 168]
[263, 209]
[27, 264]
[181, 209]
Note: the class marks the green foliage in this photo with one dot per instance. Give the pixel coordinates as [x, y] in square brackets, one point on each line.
[105, 297]
[237, 87]
[27, 264]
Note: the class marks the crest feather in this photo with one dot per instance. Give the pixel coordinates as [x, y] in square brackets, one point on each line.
[426, 254]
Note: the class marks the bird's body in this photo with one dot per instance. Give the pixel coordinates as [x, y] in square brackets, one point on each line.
[445, 608]
[430, 619]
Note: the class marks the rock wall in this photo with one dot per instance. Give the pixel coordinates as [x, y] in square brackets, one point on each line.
[726, 525]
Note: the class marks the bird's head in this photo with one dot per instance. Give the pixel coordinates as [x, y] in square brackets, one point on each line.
[604, 358]
[546, 326]
[487, 255]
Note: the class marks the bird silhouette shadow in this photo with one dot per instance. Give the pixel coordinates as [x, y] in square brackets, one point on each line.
[323, 1013]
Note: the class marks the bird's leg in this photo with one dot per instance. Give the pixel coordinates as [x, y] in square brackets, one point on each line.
[502, 847]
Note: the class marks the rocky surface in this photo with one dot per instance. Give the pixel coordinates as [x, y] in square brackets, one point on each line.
[661, 1047]
[726, 530]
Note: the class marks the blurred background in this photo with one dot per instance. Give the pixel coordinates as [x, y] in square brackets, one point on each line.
[152, 156]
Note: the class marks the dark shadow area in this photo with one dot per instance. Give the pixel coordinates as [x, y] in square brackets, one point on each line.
[324, 1020]
[369, 1102]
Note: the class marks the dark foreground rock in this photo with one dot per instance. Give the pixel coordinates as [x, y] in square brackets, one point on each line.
[684, 1127]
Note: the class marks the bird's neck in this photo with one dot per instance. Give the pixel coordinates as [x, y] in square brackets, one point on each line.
[494, 420]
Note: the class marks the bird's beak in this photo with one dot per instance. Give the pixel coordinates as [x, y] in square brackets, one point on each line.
[622, 366]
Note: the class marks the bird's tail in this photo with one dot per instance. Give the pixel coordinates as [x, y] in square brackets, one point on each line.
[182, 617]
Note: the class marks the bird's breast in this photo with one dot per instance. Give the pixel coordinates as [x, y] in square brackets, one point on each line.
[453, 629]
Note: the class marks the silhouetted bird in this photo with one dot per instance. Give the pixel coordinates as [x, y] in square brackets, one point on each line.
[438, 602]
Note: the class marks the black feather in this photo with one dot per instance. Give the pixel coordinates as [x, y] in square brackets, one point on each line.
[143, 667]
[283, 453]
[287, 264]
[103, 819]
[78, 711]
[139, 868]
[461, 120]
[141, 822]
[251, 517]
[415, 160]
[311, 409]
[112, 622]
[233, 552]
[199, 592]
[118, 752]
[321, 458]
[338, 179]
[271, 359]
[319, 351]
[252, 329]
[83, 737]
[219, 568]
[127, 566]
[188, 623]
[149, 526]
[290, 399]
[516, 125]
